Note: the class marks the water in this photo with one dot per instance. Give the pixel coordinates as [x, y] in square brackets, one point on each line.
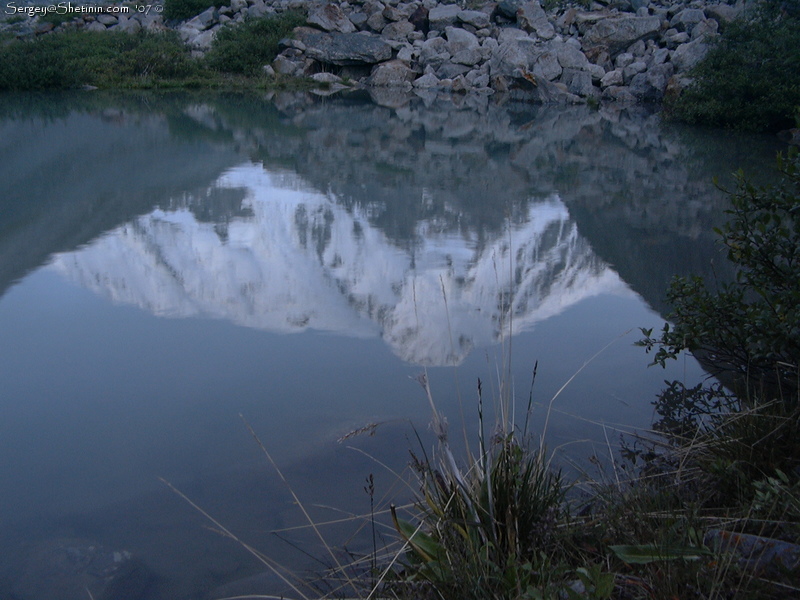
[170, 266]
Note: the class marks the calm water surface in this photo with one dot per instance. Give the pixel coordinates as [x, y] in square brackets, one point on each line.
[169, 264]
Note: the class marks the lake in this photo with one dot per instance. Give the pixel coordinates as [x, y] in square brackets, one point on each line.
[174, 268]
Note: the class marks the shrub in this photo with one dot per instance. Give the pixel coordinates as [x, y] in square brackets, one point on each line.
[749, 79]
[178, 10]
[70, 59]
[246, 47]
[748, 331]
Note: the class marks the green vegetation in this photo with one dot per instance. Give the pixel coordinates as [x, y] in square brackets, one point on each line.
[749, 79]
[72, 59]
[245, 48]
[178, 10]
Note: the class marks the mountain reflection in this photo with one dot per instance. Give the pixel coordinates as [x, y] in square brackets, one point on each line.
[289, 259]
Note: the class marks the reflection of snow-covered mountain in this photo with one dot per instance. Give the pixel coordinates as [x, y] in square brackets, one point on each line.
[300, 261]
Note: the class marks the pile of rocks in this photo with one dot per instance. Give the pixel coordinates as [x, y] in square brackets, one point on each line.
[617, 50]
[626, 52]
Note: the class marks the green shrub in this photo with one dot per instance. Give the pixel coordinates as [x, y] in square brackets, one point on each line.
[246, 47]
[749, 79]
[71, 59]
[178, 10]
[748, 331]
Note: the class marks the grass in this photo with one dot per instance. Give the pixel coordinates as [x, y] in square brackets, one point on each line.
[146, 60]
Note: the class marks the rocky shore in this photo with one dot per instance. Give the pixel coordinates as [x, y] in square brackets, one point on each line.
[618, 50]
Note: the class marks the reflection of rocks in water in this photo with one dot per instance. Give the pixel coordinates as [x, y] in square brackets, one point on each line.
[74, 569]
[635, 187]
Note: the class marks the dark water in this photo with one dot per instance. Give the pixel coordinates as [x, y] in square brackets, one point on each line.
[168, 264]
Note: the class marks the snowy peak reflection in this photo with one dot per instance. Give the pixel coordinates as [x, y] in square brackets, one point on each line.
[282, 258]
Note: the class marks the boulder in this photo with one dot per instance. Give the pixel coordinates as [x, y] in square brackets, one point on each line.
[329, 17]
[433, 52]
[617, 33]
[509, 8]
[419, 18]
[688, 55]
[464, 47]
[475, 18]
[426, 81]
[344, 48]
[443, 16]
[611, 78]
[578, 82]
[391, 74]
[397, 31]
[649, 86]
[532, 18]
[686, 19]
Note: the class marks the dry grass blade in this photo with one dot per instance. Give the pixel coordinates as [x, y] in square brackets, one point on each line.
[300, 505]
[225, 531]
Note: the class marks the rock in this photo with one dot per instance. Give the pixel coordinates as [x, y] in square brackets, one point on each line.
[532, 18]
[344, 48]
[508, 34]
[621, 94]
[74, 569]
[578, 82]
[426, 81]
[133, 26]
[288, 66]
[207, 18]
[633, 69]
[451, 71]
[724, 13]
[359, 19]
[686, 19]
[397, 31]
[419, 18]
[509, 8]
[326, 78]
[257, 9]
[443, 16]
[475, 18]
[611, 78]
[407, 54]
[514, 56]
[569, 57]
[464, 47]
[329, 17]
[688, 55]
[95, 26]
[705, 28]
[433, 52]
[392, 73]
[107, 20]
[649, 86]
[617, 33]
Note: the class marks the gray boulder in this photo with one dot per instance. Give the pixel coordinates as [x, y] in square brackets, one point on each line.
[532, 18]
[476, 18]
[329, 17]
[688, 55]
[650, 85]
[397, 30]
[464, 47]
[617, 33]
[443, 16]
[344, 48]
[393, 73]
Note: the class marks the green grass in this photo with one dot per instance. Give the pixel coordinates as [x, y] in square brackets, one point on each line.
[246, 47]
[178, 10]
[146, 60]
